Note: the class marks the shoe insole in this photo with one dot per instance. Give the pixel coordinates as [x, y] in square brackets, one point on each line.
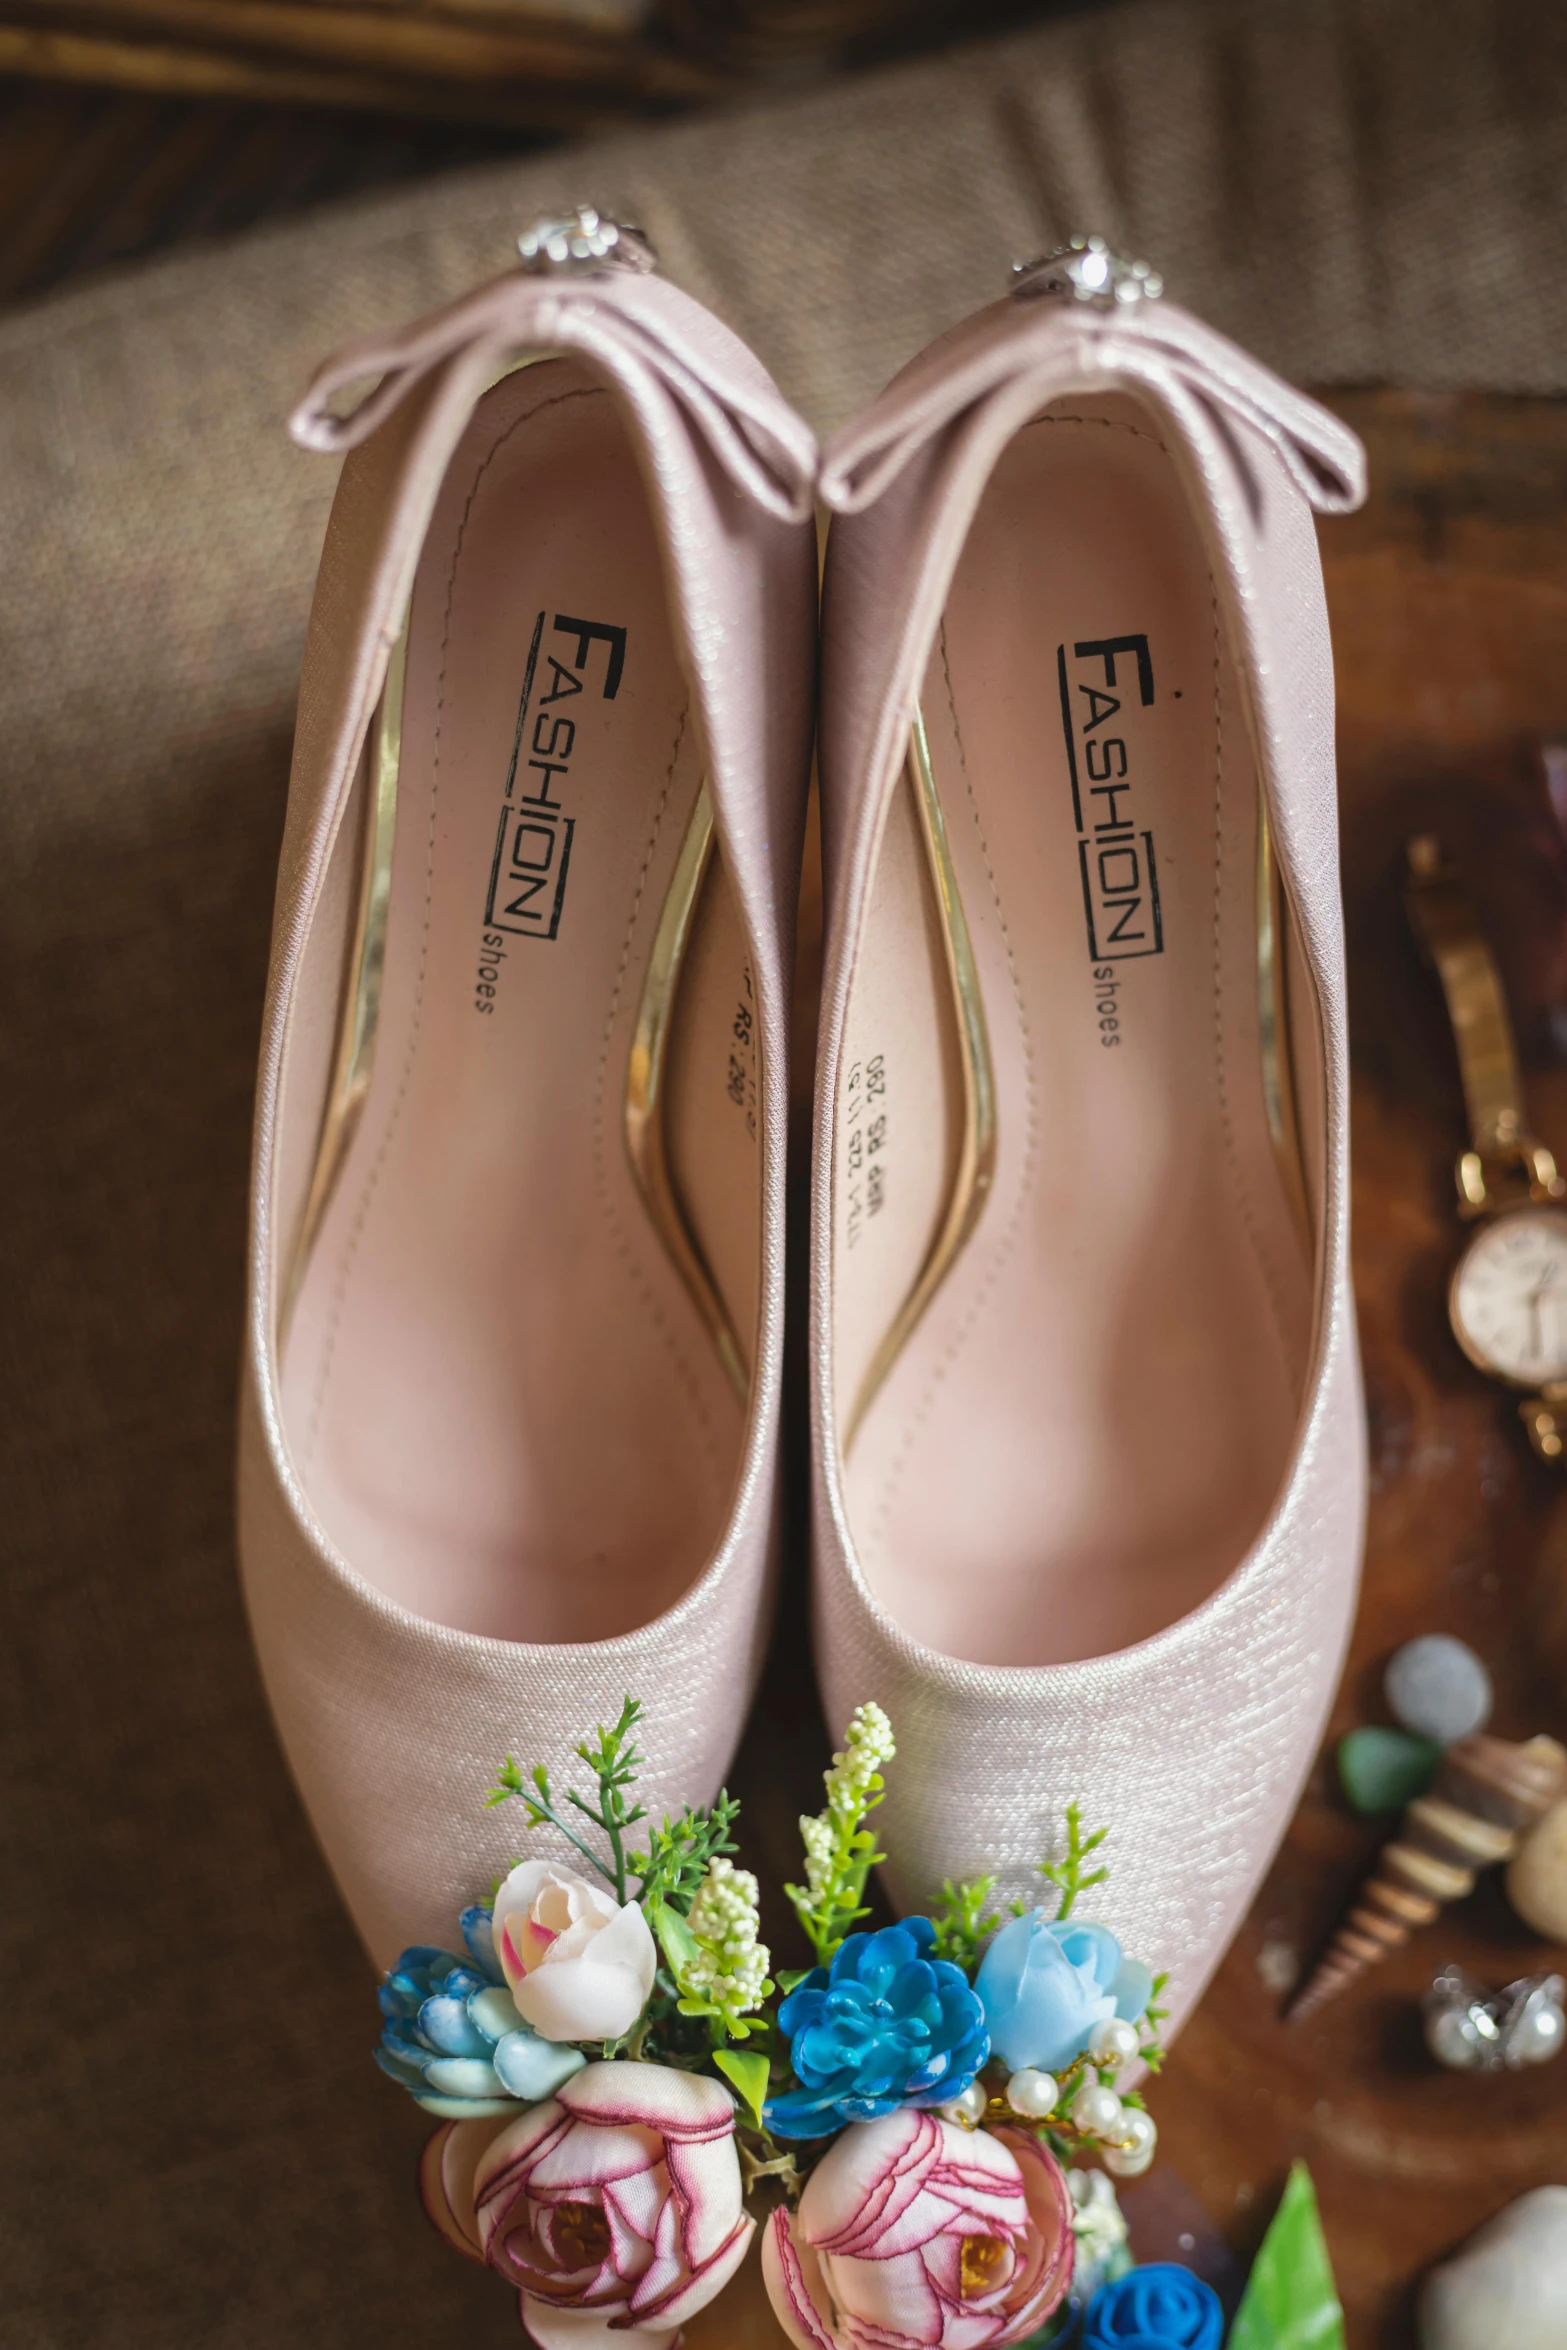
[501, 1400]
[1086, 1429]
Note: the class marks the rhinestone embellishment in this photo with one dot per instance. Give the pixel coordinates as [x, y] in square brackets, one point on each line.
[1473, 2030]
[1087, 271]
[583, 242]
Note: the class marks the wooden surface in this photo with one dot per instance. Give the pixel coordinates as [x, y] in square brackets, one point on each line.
[544, 65]
[540, 70]
[92, 177]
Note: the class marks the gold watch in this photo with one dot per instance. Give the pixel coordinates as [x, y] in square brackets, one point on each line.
[1507, 1299]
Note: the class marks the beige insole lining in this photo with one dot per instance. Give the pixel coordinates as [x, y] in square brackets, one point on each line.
[503, 1404]
[1090, 1423]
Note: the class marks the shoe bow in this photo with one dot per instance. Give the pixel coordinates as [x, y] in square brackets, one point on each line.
[1068, 347]
[632, 327]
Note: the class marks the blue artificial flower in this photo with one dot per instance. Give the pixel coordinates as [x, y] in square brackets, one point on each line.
[453, 2038]
[1044, 1985]
[886, 2025]
[1160, 2307]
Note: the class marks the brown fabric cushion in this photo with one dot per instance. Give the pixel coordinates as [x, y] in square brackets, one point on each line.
[196, 2148]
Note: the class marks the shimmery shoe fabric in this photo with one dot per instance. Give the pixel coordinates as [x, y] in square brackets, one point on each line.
[413, 1627]
[1077, 1543]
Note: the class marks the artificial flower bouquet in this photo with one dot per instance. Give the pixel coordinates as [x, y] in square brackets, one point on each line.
[616, 2072]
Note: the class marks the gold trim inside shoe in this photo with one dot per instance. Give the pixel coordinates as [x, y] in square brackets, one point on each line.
[977, 1137]
[367, 958]
[646, 1146]
[644, 1105]
[355, 1054]
[1279, 1089]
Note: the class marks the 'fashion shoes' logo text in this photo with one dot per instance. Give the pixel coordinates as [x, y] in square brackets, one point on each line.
[1119, 869]
[533, 841]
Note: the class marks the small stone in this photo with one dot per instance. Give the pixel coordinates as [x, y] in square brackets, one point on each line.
[1382, 1770]
[1506, 2289]
[1278, 1967]
[1438, 1688]
[1537, 1876]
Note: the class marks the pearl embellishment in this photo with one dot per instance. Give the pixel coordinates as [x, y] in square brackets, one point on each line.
[1096, 2110]
[1113, 2041]
[1032, 2094]
[1133, 2149]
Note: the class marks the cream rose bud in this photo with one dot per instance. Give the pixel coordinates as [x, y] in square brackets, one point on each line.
[580, 1964]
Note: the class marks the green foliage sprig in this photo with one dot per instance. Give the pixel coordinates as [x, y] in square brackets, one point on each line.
[962, 1921]
[614, 1762]
[1068, 1875]
[701, 1909]
[840, 1850]
[680, 1852]
[1153, 2015]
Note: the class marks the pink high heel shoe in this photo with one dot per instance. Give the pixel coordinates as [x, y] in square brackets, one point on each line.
[510, 1432]
[1088, 1433]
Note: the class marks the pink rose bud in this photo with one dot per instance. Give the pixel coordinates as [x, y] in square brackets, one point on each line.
[615, 2206]
[913, 2234]
[579, 1963]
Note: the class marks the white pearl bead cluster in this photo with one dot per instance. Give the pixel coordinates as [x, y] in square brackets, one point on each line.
[1127, 2136]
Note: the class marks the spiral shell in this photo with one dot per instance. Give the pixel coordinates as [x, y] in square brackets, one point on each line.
[1484, 1797]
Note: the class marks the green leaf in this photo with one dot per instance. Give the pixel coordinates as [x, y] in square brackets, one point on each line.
[676, 1939]
[749, 2075]
[1290, 2302]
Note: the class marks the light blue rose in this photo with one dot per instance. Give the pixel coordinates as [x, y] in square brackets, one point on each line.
[1044, 1985]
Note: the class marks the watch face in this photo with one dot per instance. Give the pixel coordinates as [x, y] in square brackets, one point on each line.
[1509, 1297]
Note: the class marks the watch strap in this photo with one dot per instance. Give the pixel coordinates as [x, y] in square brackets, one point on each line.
[1446, 924]
[1445, 921]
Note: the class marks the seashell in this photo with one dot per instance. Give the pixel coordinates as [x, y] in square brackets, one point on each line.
[1506, 2289]
[1537, 1878]
[1512, 1785]
[1485, 1795]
